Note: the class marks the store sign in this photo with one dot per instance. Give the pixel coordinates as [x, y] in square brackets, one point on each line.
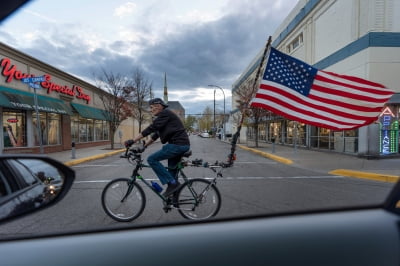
[11, 72]
[12, 120]
[389, 132]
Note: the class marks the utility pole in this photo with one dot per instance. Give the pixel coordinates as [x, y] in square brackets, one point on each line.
[223, 120]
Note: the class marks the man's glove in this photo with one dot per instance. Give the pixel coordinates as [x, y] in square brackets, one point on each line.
[138, 149]
[129, 143]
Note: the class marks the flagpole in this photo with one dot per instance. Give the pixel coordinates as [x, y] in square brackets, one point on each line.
[260, 66]
[231, 156]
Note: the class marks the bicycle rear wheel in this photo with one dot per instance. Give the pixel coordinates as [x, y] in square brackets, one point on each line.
[123, 200]
[198, 199]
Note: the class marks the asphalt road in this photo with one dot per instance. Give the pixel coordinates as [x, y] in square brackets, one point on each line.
[253, 186]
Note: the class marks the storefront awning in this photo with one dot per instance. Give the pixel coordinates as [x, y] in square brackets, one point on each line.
[90, 112]
[16, 99]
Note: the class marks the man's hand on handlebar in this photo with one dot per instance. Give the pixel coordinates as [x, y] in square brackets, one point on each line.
[138, 149]
[128, 143]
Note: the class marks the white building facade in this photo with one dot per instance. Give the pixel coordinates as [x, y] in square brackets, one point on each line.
[352, 37]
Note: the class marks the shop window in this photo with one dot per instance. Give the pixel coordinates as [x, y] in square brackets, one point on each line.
[75, 128]
[106, 132]
[98, 130]
[88, 130]
[50, 128]
[101, 130]
[14, 128]
[54, 122]
[82, 130]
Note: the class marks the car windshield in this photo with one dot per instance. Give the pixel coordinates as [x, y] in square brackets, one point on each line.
[285, 107]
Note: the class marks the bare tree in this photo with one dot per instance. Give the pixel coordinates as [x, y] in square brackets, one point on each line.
[115, 100]
[189, 123]
[138, 91]
[205, 122]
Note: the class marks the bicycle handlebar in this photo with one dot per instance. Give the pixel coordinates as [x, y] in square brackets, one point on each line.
[135, 150]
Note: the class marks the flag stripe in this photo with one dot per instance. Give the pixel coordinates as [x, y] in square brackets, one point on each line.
[305, 114]
[351, 91]
[280, 91]
[344, 106]
[302, 105]
[355, 80]
[296, 90]
[279, 110]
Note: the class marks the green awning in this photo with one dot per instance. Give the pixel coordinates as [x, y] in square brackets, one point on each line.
[90, 112]
[16, 99]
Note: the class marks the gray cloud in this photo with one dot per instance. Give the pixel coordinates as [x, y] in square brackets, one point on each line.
[193, 56]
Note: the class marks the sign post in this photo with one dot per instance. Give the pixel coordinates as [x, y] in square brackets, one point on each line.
[32, 82]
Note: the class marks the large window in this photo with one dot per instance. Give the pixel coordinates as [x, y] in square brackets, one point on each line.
[87, 130]
[14, 128]
[101, 130]
[75, 128]
[83, 130]
[50, 128]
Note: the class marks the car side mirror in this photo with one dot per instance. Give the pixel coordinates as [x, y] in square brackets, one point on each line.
[31, 182]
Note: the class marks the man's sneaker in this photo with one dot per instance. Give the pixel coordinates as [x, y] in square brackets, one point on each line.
[171, 189]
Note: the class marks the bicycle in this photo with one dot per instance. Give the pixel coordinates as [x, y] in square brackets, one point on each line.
[123, 199]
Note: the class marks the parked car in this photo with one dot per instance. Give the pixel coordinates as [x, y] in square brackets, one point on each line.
[204, 135]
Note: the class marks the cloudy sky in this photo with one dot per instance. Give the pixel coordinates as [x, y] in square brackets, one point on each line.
[196, 42]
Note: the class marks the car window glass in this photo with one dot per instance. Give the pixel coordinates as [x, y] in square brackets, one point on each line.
[24, 171]
[36, 168]
[4, 187]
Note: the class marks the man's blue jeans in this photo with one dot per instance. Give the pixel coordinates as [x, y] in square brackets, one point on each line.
[171, 152]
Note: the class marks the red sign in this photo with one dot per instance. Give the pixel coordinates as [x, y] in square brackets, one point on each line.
[12, 120]
[11, 72]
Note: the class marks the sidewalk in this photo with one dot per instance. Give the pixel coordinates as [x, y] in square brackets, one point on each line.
[386, 170]
[86, 154]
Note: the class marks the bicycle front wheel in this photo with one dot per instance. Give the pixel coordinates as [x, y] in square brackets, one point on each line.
[123, 200]
[198, 199]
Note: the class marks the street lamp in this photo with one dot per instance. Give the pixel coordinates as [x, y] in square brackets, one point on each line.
[223, 119]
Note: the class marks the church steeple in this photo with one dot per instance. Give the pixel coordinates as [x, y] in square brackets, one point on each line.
[165, 88]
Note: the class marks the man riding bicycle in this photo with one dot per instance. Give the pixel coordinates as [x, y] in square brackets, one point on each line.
[169, 128]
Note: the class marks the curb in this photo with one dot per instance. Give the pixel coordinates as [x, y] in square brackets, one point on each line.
[365, 175]
[94, 157]
[267, 155]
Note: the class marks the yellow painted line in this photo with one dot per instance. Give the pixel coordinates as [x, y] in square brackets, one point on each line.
[94, 157]
[267, 155]
[367, 175]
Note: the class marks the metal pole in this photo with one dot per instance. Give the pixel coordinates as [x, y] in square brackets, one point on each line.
[214, 113]
[73, 151]
[38, 121]
[223, 119]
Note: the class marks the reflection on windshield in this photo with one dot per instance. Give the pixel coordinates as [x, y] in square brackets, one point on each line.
[41, 172]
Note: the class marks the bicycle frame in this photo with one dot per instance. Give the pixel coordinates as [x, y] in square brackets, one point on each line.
[140, 165]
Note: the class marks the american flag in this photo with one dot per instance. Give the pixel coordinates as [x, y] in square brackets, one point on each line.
[295, 90]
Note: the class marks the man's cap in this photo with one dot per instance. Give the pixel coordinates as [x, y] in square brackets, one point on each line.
[157, 101]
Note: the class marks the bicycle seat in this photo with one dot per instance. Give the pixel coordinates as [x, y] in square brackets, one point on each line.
[187, 154]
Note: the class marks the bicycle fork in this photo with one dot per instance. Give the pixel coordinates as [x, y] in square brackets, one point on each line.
[199, 198]
[130, 188]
